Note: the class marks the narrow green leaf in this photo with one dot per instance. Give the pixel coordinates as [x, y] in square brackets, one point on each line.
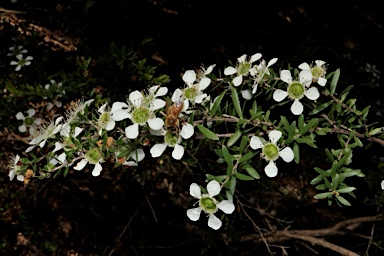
[343, 200]
[247, 156]
[296, 152]
[216, 104]
[232, 186]
[251, 171]
[300, 123]
[329, 155]
[317, 180]
[335, 79]
[243, 144]
[227, 156]
[320, 107]
[322, 195]
[207, 133]
[241, 176]
[66, 171]
[307, 141]
[322, 172]
[346, 190]
[311, 124]
[236, 102]
[232, 140]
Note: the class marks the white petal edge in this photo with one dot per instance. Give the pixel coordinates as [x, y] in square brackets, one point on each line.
[274, 136]
[246, 94]
[189, 77]
[158, 149]
[178, 152]
[382, 184]
[237, 80]
[214, 222]
[287, 154]
[213, 188]
[305, 77]
[279, 95]
[256, 143]
[271, 169]
[187, 131]
[226, 206]
[176, 95]
[96, 170]
[312, 93]
[322, 81]
[195, 190]
[297, 108]
[132, 131]
[285, 75]
[229, 71]
[204, 83]
[304, 66]
[80, 165]
[194, 213]
[255, 57]
[271, 62]
[155, 123]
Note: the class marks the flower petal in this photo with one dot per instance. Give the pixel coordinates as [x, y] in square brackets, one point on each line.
[287, 154]
[158, 149]
[271, 169]
[176, 95]
[312, 93]
[305, 77]
[297, 108]
[20, 116]
[227, 71]
[286, 76]
[209, 69]
[382, 184]
[157, 104]
[319, 63]
[214, 222]
[187, 131]
[246, 94]
[137, 154]
[195, 190]
[256, 143]
[271, 62]
[226, 206]
[279, 95]
[80, 165]
[118, 105]
[255, 57]
[274, 136]
[132, 131]
[120, 114]
[204, 82]
[155, 123]
[97, 169]
[237, 80]
[31, 112]
[194, 213]
[178, 152]
[136, 98]
[22, 128]
[322, 81]
[189, 77]
[161, 91]
[213, 188]
[304, 66]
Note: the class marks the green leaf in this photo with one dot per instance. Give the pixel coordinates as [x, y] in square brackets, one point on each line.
[241, 176]
[251, 171]
[243, 144]
[335, 79]
[219, 178]
[329, 155]
[346, 190]
[232, 140]
[296, 152]
[317, 180]
[300, 122]
[207, 133]
[320, 107]
[66, 170]
[322, 195]
[247, 156]
[307, 141]
[236, 102]
[322, 172]
[216, 104]
[227, 156]
[342, 200]
[309, 126]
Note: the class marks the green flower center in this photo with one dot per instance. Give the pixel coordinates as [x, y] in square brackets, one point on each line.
[104, 119]
[190, 93]
[171, 139]
[208, 204]
[317, 72]
[244, 68]
[93, 156]
[296, 90]
[28, 121]
[141, 115]
[270, 151]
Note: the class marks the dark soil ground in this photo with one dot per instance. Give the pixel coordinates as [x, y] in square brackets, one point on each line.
[142, 211]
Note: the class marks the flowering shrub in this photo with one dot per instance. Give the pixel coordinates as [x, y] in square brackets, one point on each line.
[95, 131]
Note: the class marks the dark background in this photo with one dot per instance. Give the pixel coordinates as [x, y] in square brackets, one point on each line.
[112, 215]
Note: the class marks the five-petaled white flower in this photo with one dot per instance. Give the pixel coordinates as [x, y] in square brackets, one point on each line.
[296, 90]
[105, 120]
[14, 168]
[196, 84]
[28, 121]
[16, 50]
[173, 140]
[318, 71]
[21, 61]
[242, 68]
[209, 204]
[44, 132]
[93, 156]
[140, 110]
[271, 152]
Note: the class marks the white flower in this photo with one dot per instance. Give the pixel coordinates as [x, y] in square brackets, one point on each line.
[296, 90]
[16, 50]
[67, 143]
[105, 120]
[58, 92]
[382, 184]
[137, 155]
[173, 140]
[14, 167]
[141, 112]
[45, 132]
[21, 61]
[209, 204]
[271, 152]
[318, 71]
[260, 71]
[93, 156]
[28, 121]
[242, 69]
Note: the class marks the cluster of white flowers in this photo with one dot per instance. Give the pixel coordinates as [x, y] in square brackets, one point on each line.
[21, 61]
